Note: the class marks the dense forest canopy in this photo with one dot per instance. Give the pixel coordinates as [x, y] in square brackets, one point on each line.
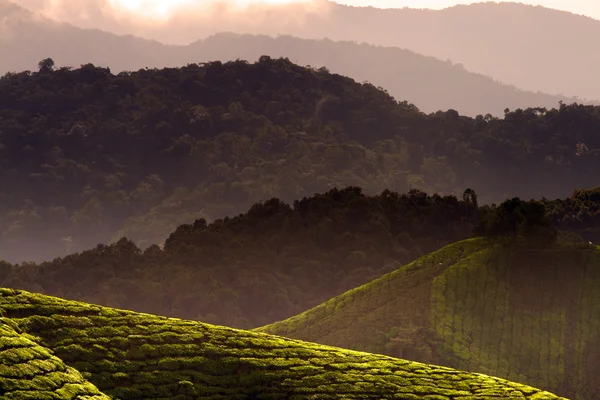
[88, 156]
[279, 259]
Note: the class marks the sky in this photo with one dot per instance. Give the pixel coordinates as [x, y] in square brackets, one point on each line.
[590, 8]
[184, 21]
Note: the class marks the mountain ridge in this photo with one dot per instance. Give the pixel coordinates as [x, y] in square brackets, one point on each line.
[541, 45]
[428, 82]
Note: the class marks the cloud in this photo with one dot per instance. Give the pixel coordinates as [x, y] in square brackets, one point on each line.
[182, 21]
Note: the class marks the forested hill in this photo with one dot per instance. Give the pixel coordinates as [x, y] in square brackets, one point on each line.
[427, 82]
[544, 49]
[87, 155]
[279, 259]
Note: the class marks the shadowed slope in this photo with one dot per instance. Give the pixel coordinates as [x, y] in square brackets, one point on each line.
[29, 371]
[531, 316]
[139, 356]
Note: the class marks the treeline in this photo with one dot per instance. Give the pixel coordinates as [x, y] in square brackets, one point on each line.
[87, 156]
[279, 259]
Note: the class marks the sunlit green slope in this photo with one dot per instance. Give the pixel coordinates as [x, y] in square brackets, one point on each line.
[139, 356]
[30, 372]
[531, 316]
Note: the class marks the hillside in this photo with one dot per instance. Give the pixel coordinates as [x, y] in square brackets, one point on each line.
[26, 38]
[279, 259]
[272, 262]
[544, 50]
[29, 371]
[134, 356]
[541, 44]
[88, 156]
[429, 83]
[529, 315]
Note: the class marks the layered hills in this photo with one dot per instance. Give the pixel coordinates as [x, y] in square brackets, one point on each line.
[279, 259]
[88, 156]
[139, 356]
[429, 83]
[544, 50]
[526, 314]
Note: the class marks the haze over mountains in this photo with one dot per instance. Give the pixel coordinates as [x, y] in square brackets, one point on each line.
[533, 48]
[429, 83]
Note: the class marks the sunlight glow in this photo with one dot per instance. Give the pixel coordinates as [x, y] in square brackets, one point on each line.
[165, 8]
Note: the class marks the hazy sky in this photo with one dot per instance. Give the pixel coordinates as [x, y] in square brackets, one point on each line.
[590, 8]
[184, 21]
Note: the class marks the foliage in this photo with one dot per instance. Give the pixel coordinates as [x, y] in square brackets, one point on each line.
[87, 156]
[531, 315]
[139, 356]
[280, 259]
[514, 218]
[30, 372]
[268, 264]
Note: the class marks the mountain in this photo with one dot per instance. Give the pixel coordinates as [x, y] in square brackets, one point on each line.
[133, 356]
[26, 38]
[88, 156]
[429, 83]
[30, 371]
[526, 314]
[531, 47]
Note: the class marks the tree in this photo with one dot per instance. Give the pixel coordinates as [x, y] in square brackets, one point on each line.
[470, 198]
[46, 65]
[516, 218]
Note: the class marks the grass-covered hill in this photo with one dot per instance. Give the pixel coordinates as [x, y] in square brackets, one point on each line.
[524, 314]
[132, 356]
[87, 156]
[268, 264]
[279, 259]
[29, 371]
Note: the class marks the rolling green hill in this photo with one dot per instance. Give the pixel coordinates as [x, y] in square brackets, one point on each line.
[531, 316]
[140, 356]
[29, 371]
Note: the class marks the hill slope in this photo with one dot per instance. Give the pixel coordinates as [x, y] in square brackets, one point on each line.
[134, 356]
[531, 316]
[544, 50]
[30, 372]
[541, 44]
[428, 83]
[87, 156]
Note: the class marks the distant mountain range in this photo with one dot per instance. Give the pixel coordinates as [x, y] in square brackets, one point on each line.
[429, 83]
[533, 48]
